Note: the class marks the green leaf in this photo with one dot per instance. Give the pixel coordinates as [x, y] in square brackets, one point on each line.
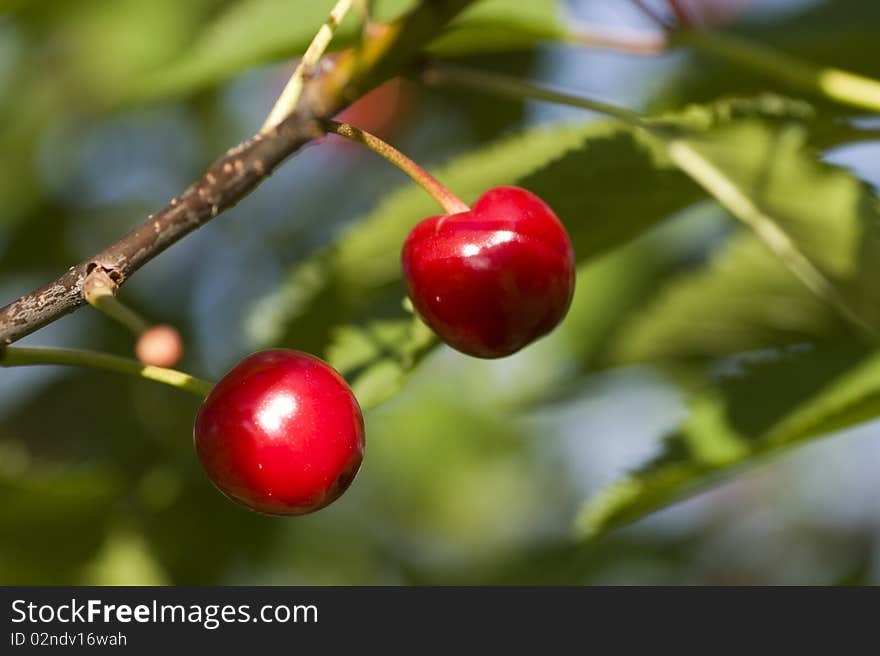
[255, 32]
[820, 220]
[776, 404]
[804, 34]
[107, 47]
[247, 34]
[378, 357]
[744, 298]
[822, 224]
[45, 506]
[500, 26]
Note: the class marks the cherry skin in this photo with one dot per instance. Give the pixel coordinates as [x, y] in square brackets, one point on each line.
[494, 279]
[281, 433]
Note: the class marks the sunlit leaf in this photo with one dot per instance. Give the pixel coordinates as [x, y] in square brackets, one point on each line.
[768, 406]
[255, 32]
[825, 33]
[377, 357]
[743, 299]
[821, 221]
[501, 25]
[246, 34]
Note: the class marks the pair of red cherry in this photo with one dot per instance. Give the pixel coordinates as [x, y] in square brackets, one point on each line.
[282, 432]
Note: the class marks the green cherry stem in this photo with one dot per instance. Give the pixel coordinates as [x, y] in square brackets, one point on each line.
[447, 200]
[23, 357]
[99, 290]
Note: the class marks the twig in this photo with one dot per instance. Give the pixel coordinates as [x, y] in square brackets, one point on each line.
[436, 73]
[384, 54]
[287, 101]
[24, 357]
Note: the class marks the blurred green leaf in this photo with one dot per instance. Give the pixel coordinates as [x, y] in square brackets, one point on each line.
[48, 506]
[776, 402]
[743, 299]
[69, 62]
[501, 25]
[100, 49]
[818, 219]
[823, 224]
[255, 32]
[445, 468]
[248, 33]
[377, 357]
[837, 33]
[125, 559]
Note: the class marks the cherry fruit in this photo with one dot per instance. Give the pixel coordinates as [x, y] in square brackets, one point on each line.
[494, 279]
[281, 433]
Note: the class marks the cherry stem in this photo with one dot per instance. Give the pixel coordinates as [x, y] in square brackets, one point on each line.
[448, 201]
[99, 290]
[23, 357]
[466, 78]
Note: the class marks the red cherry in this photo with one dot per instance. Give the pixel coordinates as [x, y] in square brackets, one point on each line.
[494, 279]
[281, 433]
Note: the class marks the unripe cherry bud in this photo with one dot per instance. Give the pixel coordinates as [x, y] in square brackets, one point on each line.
[159, 346]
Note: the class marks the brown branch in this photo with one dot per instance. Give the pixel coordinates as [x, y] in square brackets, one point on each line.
[386, 52]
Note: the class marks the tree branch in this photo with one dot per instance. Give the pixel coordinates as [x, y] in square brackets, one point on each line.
[386, 52]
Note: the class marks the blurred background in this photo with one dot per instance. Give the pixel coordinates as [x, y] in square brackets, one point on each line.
[475, 470]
